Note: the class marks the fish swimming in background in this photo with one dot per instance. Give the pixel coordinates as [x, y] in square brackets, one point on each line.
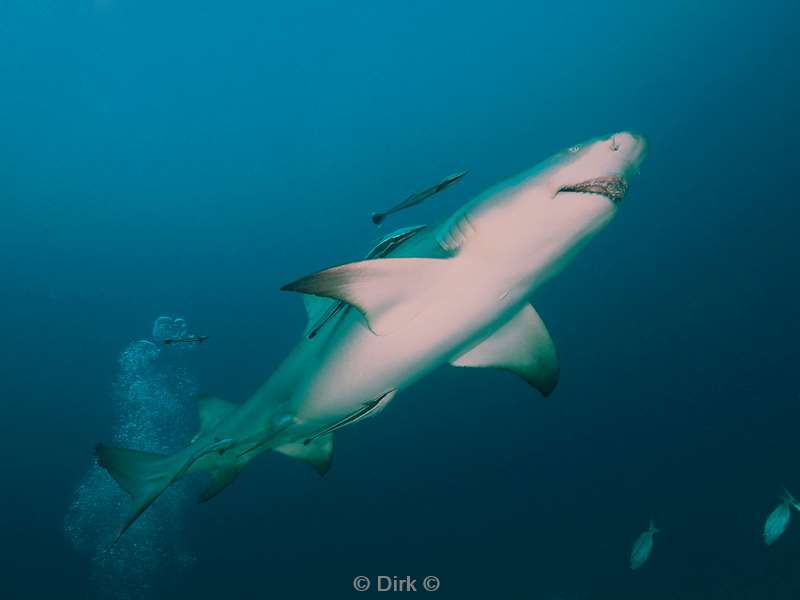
[643, 546]
[192, 339]
[456, 293]
[418, 197]
[778, 519]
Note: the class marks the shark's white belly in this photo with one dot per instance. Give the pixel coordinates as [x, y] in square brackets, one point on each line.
[358, 366]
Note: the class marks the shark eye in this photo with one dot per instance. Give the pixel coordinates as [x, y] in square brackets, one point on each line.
[575, 149]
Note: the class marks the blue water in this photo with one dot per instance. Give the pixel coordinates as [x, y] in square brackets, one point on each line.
[187, 159]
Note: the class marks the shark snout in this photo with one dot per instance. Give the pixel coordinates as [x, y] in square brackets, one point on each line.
[632, 148]
[632, 144]
[605, 167]
[625, 141]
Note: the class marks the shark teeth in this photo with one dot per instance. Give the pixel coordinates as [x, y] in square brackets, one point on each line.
[614, 188]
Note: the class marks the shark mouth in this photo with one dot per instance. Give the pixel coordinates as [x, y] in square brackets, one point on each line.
[612, 187]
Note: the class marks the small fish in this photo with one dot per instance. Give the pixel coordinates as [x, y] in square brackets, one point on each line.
[192, 339]
[373, 406]
[418, 197]
[643, 546]
[219, 446]
[778, 519]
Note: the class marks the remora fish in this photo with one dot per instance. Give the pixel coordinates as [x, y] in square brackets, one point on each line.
[418, 197]
[194, 339]
[456, 293]
[778, 519]
[643, 546]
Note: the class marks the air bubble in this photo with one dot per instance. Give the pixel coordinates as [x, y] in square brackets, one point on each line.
[167, 329]
[154, 406]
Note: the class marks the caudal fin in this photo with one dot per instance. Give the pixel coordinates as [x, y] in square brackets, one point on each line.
[144, 475]
[653, 528]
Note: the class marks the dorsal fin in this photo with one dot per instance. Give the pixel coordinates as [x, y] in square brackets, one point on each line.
[211, 411]
[522, 346]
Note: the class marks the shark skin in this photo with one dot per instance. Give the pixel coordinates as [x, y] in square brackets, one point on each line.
[456, 293]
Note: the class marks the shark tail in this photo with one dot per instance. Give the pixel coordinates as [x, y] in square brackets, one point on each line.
[144, 475]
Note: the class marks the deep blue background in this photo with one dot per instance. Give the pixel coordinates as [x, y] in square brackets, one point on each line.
[190, 157]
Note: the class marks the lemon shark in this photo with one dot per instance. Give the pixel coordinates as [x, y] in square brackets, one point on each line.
[457, 293]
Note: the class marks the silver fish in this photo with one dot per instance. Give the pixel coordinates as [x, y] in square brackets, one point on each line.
[778, 519]
[643, 546]
[418, 197]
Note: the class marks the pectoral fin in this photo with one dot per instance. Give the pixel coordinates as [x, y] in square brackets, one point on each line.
[321, 310]
[523, 346]
[318, 452]
[389, 292]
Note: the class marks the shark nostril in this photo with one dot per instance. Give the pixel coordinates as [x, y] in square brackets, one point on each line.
[614, 144]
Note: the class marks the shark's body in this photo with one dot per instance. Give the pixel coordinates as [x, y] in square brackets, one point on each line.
[456, 293]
